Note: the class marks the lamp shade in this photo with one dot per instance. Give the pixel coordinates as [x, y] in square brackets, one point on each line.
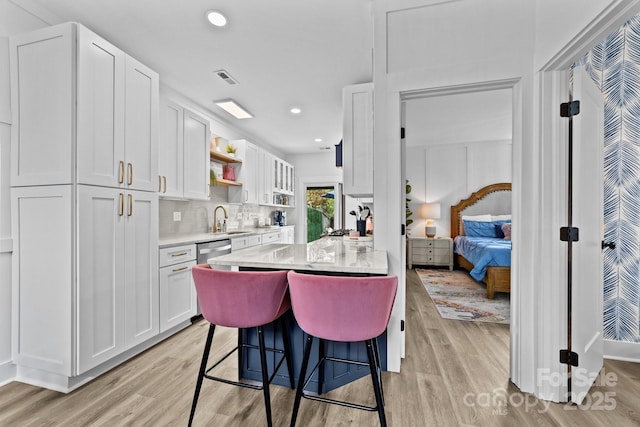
[430, 211]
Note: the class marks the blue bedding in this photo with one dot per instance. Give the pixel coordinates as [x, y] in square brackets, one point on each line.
[483, 252]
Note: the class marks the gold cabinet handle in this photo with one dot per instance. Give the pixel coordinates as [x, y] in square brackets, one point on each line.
[159, 184]
[180, 254]
[121, 204]
[130, 205]
[121, 172]
[130, 180]
[180, 269]
[164, 179]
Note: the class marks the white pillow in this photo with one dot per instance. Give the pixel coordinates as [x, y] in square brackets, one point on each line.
[500, 217]
[479, 218]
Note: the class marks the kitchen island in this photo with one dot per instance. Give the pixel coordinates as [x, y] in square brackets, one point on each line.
[328, 256]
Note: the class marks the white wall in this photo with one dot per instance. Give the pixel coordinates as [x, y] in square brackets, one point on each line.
[448, 173]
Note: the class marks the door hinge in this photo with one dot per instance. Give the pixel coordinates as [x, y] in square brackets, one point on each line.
[401, 133]
[568, 357]
[402, 326]
[570, 109]
[402, 229]
[569, 234]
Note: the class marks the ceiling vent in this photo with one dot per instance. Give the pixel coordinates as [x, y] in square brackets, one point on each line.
[226, 77]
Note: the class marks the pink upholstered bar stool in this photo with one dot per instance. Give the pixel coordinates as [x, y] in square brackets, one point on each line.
[347, 309]
[242, 300]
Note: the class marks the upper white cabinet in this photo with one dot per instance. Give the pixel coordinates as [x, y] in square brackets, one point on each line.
[184, 153]
[73, 93]
[357, 137]
[171, 156]
[248, 174]
[266, 174]
[196, 156]
[266, 179]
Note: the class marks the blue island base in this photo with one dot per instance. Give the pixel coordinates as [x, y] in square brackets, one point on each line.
[336, 374]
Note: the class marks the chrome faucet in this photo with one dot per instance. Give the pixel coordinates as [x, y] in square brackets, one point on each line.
[216, 226]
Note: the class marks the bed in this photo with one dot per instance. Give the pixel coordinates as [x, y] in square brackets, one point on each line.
[486, 258]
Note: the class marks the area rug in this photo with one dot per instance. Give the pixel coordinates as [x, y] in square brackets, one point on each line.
[457, 296]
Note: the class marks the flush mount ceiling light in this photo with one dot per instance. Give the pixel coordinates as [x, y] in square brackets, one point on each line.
[216, 18]
[295, 110]
[318, 140]
[233, 108]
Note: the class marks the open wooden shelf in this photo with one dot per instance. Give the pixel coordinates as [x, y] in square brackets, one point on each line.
[226, 183]
[222, 157]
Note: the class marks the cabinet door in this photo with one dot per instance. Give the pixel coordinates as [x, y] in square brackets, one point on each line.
[357, 145]
[100, 123]
[141, 267]
[43, 106]
[248, 175]
[196, 156]
[266, 178]
[141, 126]
[171, 151]
[100, 292]
[177, 295]
[43, 274]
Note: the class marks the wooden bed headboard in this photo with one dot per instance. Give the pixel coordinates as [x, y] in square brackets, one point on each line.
[487, 200]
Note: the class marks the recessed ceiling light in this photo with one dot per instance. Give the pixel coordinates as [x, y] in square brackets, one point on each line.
[318, 140]
[216, 18]
[233, 108]
[295, 110]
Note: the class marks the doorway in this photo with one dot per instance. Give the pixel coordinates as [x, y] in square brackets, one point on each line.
[321, 211]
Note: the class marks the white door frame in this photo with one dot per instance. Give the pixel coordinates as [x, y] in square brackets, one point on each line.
[552, 130]
[538, 299]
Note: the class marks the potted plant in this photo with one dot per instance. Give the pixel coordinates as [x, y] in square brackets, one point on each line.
[231, 150]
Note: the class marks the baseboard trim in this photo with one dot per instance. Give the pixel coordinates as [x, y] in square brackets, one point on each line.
[622, 350]
[7, 373]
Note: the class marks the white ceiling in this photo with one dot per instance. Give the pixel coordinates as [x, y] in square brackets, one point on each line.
[459, 118]
[283, 53]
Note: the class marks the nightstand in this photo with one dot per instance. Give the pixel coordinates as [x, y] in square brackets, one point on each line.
[431, 251]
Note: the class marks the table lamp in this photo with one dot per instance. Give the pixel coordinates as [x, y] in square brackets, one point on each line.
[430, 211]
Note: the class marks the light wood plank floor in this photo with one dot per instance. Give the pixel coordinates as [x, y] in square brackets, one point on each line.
[451, 373]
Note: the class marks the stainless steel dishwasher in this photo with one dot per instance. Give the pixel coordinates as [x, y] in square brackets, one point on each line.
[213, 249]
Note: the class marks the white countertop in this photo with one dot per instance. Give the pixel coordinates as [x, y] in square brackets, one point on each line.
[187, 239]
[326, 254]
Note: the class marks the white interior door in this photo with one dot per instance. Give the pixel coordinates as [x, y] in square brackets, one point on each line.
[587, 283]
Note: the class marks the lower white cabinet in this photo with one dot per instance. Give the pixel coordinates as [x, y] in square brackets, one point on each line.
[287, 234]
[178, 299]
[245, 242]
[118, 272]
[85, 277]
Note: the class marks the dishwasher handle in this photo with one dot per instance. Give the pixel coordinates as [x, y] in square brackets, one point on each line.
[203, 251]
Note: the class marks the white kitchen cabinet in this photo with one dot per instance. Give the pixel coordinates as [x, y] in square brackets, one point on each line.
[84, 205]
[178, 298]
[171, 152]
[266, 173]
[238, 243]
[357, 140]
[118, 272]
[271, 237]
[196, 156]
[287, 234]
[73, 93]
[283, 177]
[247, 174]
